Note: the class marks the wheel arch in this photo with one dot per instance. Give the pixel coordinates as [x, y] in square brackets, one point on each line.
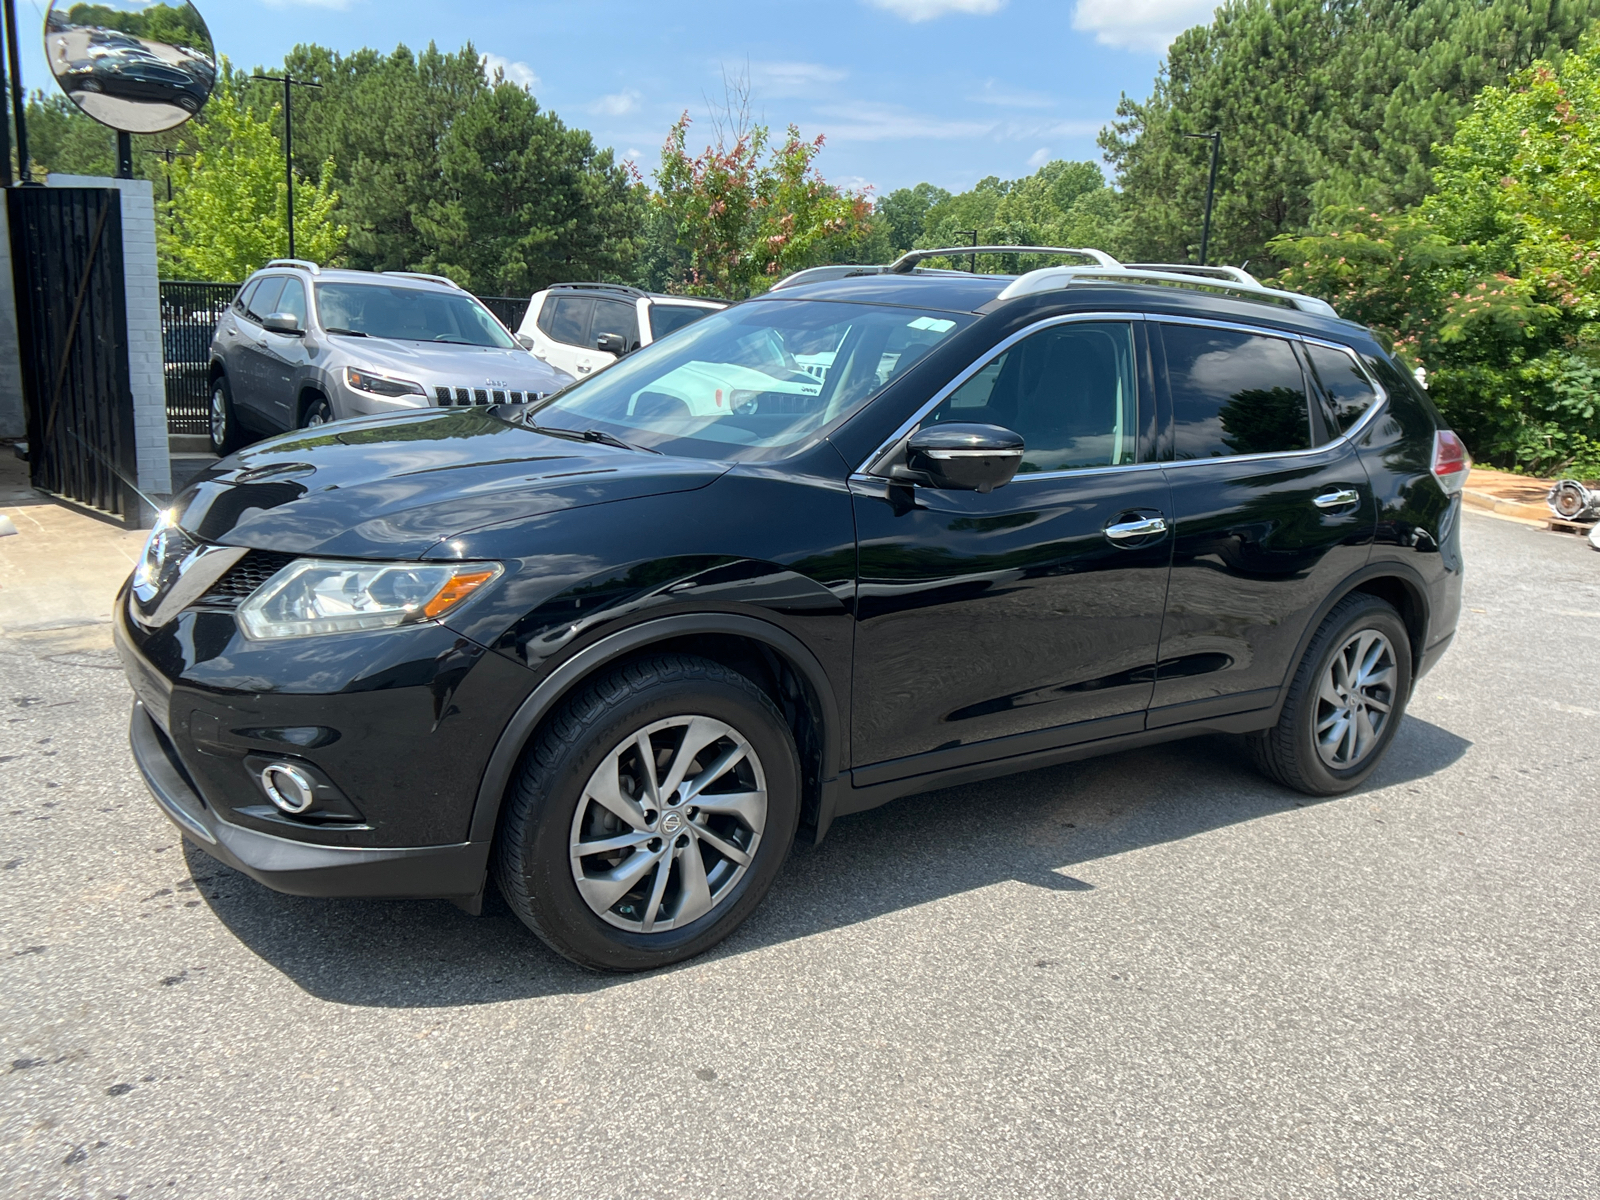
[1394, 582]
[776, 660]
[303, 398]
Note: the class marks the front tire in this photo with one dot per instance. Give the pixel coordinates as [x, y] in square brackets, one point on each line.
[1345, 702]
[650, 815]
[224, 421]
[317, 412]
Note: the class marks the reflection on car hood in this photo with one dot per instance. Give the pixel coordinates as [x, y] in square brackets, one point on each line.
[467, 366]
[391, 487]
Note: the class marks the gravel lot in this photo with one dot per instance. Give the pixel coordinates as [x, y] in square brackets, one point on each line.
[1153, 975]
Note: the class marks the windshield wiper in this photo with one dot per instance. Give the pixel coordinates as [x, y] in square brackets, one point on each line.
[346, 332]
[587, 435]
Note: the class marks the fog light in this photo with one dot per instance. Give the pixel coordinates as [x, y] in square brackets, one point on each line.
[287, 787]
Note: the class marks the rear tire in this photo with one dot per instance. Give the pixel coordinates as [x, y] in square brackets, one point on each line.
[224, 421]
[1345, 702]
[733, 805]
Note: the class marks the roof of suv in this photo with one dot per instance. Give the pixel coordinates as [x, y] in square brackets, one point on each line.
[1145, 288]
[321, 274]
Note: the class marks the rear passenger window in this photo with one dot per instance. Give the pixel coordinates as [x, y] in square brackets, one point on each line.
[566, 318]
[1345, 385]
[1068, 390]
[1234, 393]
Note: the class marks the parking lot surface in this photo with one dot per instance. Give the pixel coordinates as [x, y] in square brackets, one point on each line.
[1153, 975]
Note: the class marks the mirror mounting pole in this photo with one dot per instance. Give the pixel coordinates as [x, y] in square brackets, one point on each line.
[18, 101]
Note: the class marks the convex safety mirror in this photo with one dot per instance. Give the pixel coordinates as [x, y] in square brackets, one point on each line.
[962, 457]
[139, 66]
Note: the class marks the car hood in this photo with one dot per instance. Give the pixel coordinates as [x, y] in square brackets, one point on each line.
[392, 487]
[464, 366]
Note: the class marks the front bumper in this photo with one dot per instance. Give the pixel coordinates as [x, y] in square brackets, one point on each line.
[454, 872]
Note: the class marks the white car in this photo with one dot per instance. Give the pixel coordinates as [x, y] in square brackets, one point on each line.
[581, 328]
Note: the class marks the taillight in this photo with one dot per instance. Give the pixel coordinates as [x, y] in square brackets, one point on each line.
[1451, 462]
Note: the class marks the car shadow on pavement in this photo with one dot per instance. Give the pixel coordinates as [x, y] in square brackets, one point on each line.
[1032, 828]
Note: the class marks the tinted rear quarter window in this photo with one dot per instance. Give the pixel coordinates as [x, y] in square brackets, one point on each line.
[1234, 393]
[1345, 386]
[665, 318]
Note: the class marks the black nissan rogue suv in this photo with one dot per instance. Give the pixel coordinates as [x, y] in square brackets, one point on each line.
[880, 530]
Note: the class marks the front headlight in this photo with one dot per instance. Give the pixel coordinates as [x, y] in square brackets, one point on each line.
[163, 550]
[381, 385]
[314, 596]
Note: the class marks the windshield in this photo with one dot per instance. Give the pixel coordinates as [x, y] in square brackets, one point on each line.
[409, 314]
[753, 379]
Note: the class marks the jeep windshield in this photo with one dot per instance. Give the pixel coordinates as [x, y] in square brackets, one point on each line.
[409, 314]
[751, 380]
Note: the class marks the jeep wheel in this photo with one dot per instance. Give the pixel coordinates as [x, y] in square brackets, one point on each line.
[224, 422]
[651, 815]
[317, 412]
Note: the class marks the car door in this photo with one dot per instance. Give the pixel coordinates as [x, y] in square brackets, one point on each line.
[284, 358]
[1272, 511]
[249, 382]
[564, 321]
[1028, 617]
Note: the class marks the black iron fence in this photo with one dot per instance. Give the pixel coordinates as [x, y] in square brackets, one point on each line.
[189, 315]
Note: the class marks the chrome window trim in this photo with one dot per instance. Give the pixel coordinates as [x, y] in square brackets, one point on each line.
[864, 473]
[1000, 347]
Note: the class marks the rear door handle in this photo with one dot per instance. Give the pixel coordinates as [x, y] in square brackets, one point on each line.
[1144, 527]
[1338, 498]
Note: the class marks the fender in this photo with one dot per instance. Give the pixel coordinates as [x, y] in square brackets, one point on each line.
[1413, 582]
[550, 691]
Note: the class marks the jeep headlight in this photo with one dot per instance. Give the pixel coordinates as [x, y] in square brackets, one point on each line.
[314, 596]
[382, 385]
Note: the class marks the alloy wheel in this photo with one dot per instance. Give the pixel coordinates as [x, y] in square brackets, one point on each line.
[219, 416]
[668, 824]
[320, 413]
[1356, 699]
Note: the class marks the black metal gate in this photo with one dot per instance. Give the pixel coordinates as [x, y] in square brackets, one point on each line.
[72, 326]
[189, 315]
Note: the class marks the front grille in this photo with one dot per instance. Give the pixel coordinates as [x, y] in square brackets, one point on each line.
[467, 397]
[245, 576]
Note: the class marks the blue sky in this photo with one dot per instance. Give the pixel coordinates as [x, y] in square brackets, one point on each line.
[943, 90]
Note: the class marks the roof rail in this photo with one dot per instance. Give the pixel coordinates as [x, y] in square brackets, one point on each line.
[604, 287]
[904, 264]
[296, 262]
[430, 278]
[1229, 279]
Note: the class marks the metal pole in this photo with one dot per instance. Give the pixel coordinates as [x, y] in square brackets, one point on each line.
[124, 155]
[1211, 191]
[6, 177]
[18, 105]
[288, 157]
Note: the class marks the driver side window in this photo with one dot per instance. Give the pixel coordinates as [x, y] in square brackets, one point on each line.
[1069, 392]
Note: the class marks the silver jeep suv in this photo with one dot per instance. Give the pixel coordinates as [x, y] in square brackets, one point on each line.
[301, 345]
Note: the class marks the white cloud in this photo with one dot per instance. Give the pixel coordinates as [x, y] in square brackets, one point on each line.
[519, 73]
[779, 79]
[618, 104]
[1147, 25]
[1038, 158]
[1011, 97]
[931, 10]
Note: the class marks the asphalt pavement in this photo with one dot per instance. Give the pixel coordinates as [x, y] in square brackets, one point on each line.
[1154, 975]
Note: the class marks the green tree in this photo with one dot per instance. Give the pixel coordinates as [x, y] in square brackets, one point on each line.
[745, 212]
[1320, 103]
[904, 212]
[229, 215]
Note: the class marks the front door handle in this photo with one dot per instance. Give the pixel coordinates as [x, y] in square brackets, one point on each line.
[1124, 531]
[1337, 498]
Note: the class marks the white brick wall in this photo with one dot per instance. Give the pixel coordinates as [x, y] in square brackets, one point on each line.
[144, 325]
[13, 420]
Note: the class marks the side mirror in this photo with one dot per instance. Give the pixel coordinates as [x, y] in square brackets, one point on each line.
[970, 458]
[283, 323]
[524, 341]
[611, 343]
